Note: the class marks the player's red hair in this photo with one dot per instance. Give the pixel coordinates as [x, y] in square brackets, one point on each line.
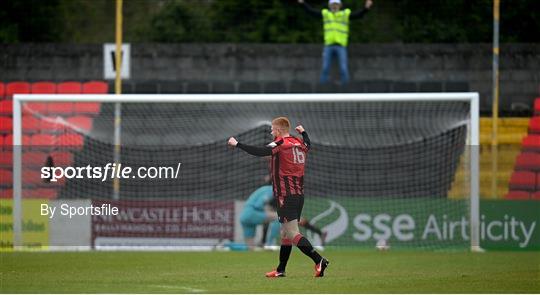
[282, 123]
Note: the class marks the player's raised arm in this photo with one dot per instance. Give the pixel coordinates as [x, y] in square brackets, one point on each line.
[361, 12]
[300, 129]
[310, 10]
[250, 149]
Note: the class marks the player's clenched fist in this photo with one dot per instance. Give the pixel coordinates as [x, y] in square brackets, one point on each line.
[299, 129]
[232, 142]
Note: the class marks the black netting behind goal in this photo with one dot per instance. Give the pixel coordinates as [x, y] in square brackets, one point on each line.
[368, 160]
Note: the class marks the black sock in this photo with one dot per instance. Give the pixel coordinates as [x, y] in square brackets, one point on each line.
[313, 229]
[305, 246]
[265, 232]
[284, 254]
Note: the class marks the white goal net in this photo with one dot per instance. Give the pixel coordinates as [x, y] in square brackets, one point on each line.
[400, 169]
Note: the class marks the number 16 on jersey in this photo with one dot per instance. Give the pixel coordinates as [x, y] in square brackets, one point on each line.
[299, 157]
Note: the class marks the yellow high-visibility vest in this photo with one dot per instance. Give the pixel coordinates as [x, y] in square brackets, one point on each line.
[336, 27]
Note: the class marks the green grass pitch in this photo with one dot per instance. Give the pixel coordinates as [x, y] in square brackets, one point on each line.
[350, 271]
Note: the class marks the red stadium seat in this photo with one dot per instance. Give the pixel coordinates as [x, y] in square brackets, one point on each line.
[531, 143]
[536, 195]
[6, 177]
[43, 88]
[517, 195]
[31, 108]
[26, 140]
[17, 88]
[62, 159]
[6, 194]
[43, 140]
[6, 125]
[33, 159]
[29, 193]
[537, 106]
[534, 125]
[69, 88]
[40, 193]
[523, 180]
[60, 108]
[95, 87]
[6, 107]
[6, 160]
[2, 90]
[91, 108]
[528, 161]
[32, 177]
[71, 140]
[51, 125]
[29, 159]
[81, 122]
[8, 140]
[31, 124]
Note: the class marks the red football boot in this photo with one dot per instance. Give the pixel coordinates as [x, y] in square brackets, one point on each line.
[275, 274]
[320, 267]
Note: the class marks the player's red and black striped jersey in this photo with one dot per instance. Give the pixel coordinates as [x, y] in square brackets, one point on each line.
[287, 166]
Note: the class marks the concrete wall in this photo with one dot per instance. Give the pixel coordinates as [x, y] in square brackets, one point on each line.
[255, 67]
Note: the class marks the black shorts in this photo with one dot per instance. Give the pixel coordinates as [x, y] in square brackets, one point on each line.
[291, 208]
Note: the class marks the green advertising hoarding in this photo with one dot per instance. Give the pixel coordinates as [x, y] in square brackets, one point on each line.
[514, 225]
[35, 227]
[424, 223]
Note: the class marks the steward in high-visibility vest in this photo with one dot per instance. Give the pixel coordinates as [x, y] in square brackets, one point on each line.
[336, 34]
[336, 27]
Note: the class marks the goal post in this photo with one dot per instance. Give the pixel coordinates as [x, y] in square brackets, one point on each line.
[338, 106]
